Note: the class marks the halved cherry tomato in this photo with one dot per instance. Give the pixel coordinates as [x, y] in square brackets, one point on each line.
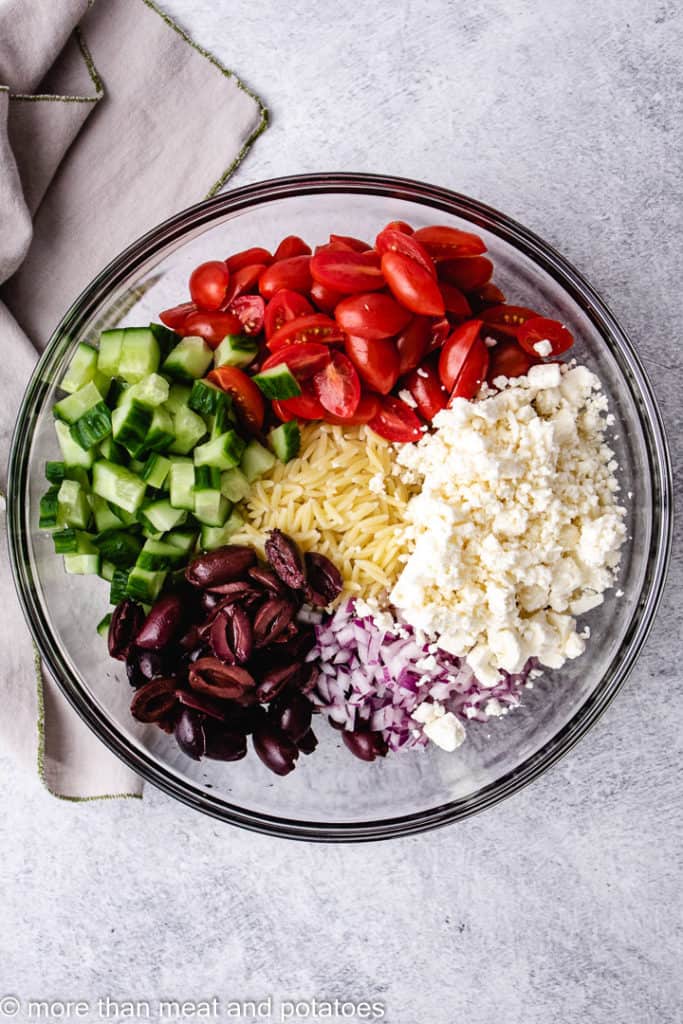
[209, 284]
[412, 285]
[467, 272]
[507, 359]
[249, 257]
[251, 311]
[212, 327]
[441, 329]
[291, 246]
[396, 421]
[541, 328]
[371, 316]
[445, 243]
[243, 280]
[177, 315]
[507, 319]
[284, 306]
[473, 373]
[367, 409]
[391, 240]
[455, 302]
[325, 298]
[305, 406]
[412, 343]
[482, 298]
[293, 272]
[316, 327]
[356, 244]
[347, 271]
[427, 390]
[377, 361]
[400, 225]
[303, 360]
[455, 352]
[245, 394]
[337, 386]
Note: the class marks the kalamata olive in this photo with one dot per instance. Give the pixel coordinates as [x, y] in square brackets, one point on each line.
[276, 750]
[308, 742]
[220, 642]
[220, 566]
[293, 716]
[285, 559]
[200, 702]
[272, 618]
[274, 681]
[135, 676]
[232, 635]
[209, 600]
[222, 744]
[125, 624]
[189, 733]
[153, 700]
[365, 744]
[239, 590]
[162, 624]
[224, 682]
[154, 663]
[190, 639]
[168, 721]
[267, 579]
[323, 580]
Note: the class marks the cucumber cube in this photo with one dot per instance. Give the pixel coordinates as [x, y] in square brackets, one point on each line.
[223, 452]
[139, 354]
[118, 485]
[189, 360]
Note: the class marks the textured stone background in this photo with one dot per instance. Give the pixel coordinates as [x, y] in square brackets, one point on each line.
[563, 904]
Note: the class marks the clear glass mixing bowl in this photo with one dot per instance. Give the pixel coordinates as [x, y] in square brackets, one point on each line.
[331, 795]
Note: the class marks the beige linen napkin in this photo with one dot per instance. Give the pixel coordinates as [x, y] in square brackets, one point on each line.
[105, 129]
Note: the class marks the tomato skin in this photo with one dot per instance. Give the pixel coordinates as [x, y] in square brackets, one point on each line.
[243, 280]
[209, 284]
[325, 298]
[367, 409]
[391, 240]
[290, 247]
[245, 394]
[542, 328]
[284, 306]
[249, 257]
[250, 309]
[412, 344]
[305, 406]
[455, 302]
[483, 298]
[441, 330]
[304, 360]
[374, 315]
[315, 327]
[293, 273]
[354, 244]
[412, 285]
[377, 361]
[176, 316]
[212, 327]
[473, 372]
[446, 243]
[467, 272]
[400, 225]
[427, 390]
[507, 359]
[455, 352]
[337, 386]
[507, 319]
[347, 272]
[396, 421]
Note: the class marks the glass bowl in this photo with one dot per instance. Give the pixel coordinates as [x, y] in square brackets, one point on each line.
[332, 796]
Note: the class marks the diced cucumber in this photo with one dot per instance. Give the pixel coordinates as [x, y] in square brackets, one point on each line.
[92, 427]
[82, 565]
[143, 585]
[149, 533]
[49, 508]
[82, 368]
[207, 478]
[223, 452]
[189, 360]
[110, 352]
[285, 440]
[277, 382]
[103, 625]
[139, 354]
[161, 517]
[127, 518]
[166, 338]
[118, 485]
[155, 470]
[222, 420]
[136, 466]
[119, 581]
[119, 547]
[205, 398]
[151, 391]
[181, 477]
[213, 537]
[80, 475]
[256, 461]
[65, 541]
[159, 554]
[72, 453]
[235, 350]
[55, 472]
[234, 485]
[130, 426]
[105, 519]
[161, 433]
[107, 570]
[117, 390]
[178, 397]
[112, 451]
[189, 429]
[183, 540]
[74, 507]
[71, 408]
[211, 507]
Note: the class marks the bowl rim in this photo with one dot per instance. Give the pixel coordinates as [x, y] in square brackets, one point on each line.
[581, 292]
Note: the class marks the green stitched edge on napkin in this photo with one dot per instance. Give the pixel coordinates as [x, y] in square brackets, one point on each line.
[51, 97]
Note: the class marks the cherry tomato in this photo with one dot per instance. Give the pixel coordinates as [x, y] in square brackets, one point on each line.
[248, 258]
[293, 272]
[507, 359]
[466, 272]
[177, 315]
[455, 302]
[243, 280]
[325, 298]
[244, 393]
[337, 386]
[507, 319]
[356, 244]
[427, 390]
[212, 327]
[284, 306]
[209, 284]
[413, 342]
[441, 330]
[391, 240]
[316, 327]
[348, 272]
[456, 350]
[473, 373]
[303, 360]
[371, 316]
[251, 311]
[488, 295]
[367, 409]
[396, 421]
[305, 406]
[444, 243]
[377, 361]
[291, 246]
[412, 285]
[400, 225]
[541, 328]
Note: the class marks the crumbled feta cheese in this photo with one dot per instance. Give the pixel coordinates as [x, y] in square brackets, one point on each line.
[406, 397]
[543, 348]
[376, 484]
[440, 726]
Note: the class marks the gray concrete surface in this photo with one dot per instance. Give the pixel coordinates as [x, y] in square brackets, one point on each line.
[563, 904]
